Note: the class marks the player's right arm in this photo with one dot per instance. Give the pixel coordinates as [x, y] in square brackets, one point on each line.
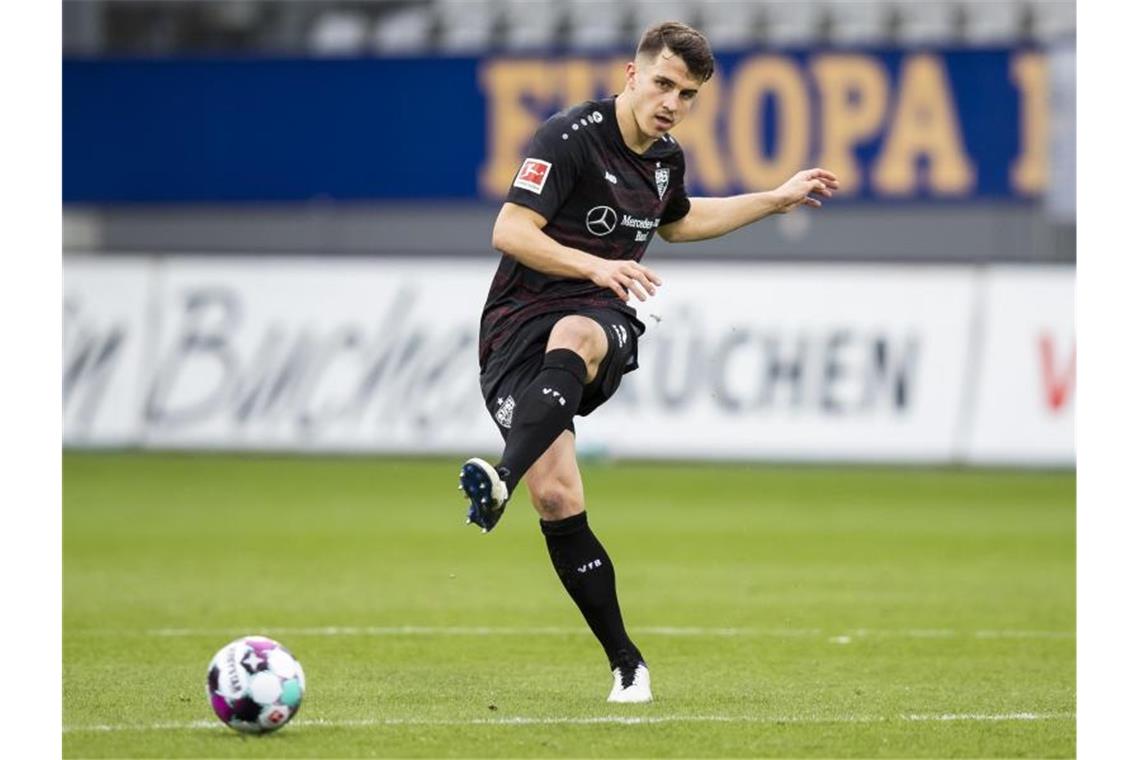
[548, 177]
[518, 234]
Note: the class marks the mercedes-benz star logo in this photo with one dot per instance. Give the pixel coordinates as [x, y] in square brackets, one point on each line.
[601, 220]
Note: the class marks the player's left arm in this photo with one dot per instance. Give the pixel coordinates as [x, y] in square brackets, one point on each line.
[713, 217]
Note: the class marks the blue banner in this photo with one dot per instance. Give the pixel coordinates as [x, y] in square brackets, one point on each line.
[945, 125]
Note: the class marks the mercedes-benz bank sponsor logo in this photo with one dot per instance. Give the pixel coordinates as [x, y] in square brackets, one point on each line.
[601, 220]
[639, 223]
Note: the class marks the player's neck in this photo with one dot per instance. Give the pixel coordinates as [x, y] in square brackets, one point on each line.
[631, 134]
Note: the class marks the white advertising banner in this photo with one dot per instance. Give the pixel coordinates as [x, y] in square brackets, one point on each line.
[106, 340]
[1026, 388]
[795, 362]
[318, 354]
[789, 362]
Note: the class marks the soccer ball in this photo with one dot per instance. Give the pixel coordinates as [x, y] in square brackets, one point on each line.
[255, 685]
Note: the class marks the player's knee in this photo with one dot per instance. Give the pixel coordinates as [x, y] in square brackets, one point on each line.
[555, 501]
[584, 337]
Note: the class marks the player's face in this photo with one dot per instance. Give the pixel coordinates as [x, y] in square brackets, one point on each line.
[663, 91]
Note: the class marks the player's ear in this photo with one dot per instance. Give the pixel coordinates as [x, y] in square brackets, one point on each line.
[630, 74]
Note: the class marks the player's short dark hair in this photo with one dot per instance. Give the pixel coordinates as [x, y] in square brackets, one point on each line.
[685, 41]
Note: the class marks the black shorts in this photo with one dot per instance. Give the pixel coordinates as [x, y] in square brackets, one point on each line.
[516, 363]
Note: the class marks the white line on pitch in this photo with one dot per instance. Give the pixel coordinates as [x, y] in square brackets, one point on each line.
[605, 719]
[417, 630]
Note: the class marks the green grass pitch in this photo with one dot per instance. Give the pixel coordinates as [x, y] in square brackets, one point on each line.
[784, 611]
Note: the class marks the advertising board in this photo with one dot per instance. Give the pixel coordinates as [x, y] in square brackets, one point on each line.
[739, 361]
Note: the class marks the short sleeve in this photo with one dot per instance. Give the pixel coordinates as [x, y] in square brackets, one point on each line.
[678, 205]
[548, 172]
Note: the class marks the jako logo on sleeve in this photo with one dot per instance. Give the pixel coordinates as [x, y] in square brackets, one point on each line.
[532, 176]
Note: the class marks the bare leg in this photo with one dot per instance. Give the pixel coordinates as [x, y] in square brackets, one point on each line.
[578, 557]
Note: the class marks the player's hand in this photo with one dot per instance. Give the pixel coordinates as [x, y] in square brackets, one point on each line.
[804, 187]
[625, 276]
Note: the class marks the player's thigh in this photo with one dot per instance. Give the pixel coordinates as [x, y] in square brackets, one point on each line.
[554, 482]
[583, 336]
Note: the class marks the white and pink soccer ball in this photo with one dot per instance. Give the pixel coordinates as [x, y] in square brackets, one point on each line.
[255, 685]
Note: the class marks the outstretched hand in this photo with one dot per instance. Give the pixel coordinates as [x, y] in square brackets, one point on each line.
[625, 276]
[804, 187]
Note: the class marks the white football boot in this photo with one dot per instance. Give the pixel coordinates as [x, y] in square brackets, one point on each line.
[486, 492]
[631, 684]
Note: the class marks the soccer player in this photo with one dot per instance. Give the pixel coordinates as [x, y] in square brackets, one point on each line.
[557, 332]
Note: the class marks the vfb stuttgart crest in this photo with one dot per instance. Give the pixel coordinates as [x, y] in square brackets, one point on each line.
[662, 178]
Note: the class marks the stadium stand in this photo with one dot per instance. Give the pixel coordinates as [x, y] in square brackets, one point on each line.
[729, 24]
[645, 13]
[928, 23]
[597, 24]
[862, 23]
[468, 25]
[473, 26]
[990, 23]
[1053, 21]
[534, 26]
[406, 30]
[339, 32]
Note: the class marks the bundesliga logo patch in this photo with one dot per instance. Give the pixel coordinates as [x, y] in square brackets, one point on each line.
[532, 176]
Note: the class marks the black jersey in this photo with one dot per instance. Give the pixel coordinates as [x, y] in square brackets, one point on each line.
[598, 196]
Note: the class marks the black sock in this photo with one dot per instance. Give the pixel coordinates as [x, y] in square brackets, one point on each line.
[542, 412]
[585, 570]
